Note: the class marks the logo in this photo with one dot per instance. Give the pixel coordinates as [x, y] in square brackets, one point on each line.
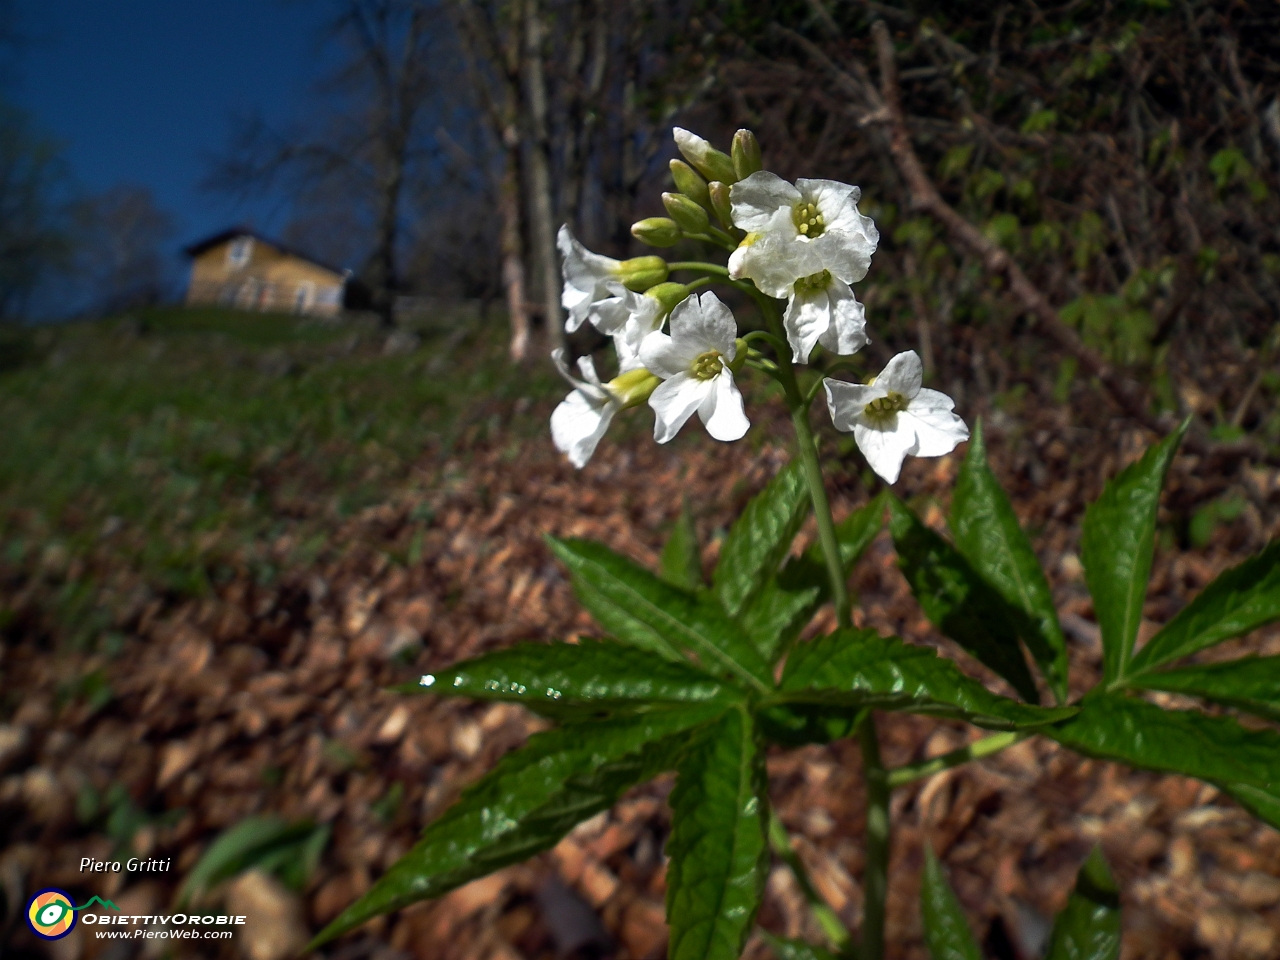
[51, 914]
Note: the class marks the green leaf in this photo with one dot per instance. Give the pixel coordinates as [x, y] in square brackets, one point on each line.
[638, 608]
[578, 680]
[946, 931]
[1116, 545]
[269, 843]
[1239, 600]
[795, 949]
[719, 852]
[1132, 731]
[1263, 804]
[681, 559]
[774, 617]
[957, 600]
[858, 668]
[527, 803]
[988, 534]
[760, 538]
[1251, 684]
[1088, 928]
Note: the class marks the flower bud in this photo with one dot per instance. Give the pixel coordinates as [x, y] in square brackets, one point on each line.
[746, 154]
[690, 183]
[720, 202]
[657, 232]
[706, 159]
[633, 387]
[690, 217]
[641, 273]
[668, 294]
[740, 351]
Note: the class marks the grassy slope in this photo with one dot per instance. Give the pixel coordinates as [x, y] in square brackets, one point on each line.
[183, 443]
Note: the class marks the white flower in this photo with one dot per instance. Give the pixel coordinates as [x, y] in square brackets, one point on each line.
[628, 317]
[587, 277]
[693, 363]
[822, 309]
[893, 417]
[797, 231]
[581, 419]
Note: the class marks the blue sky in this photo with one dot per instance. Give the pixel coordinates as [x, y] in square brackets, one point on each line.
[142, 91]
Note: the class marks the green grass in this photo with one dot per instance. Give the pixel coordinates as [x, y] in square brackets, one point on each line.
[180, 443]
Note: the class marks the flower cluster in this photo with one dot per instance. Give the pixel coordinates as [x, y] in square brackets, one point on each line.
[679, 350]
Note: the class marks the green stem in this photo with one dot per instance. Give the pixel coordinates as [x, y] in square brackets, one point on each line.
[822, 912]
[875, 881]
[974, 751]
[876, 876]
[699, 266]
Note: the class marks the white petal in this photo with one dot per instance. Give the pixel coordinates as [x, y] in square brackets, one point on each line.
[673, 403]
[885, 446]
[757, 199]
[807, 318]
[664, 356]
[610, 315]
[721, 410]
[775, 263]
[903, 374]
[703, 323]
[937, 428]
[847, 401]
[587, 367]
[586, 275]
[831, 197]
[847, 333]
[577, 426]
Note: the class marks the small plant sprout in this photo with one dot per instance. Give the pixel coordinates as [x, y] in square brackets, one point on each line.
[702, 679]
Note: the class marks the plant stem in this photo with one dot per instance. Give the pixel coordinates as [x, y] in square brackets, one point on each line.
[875, 880]
[699, 266]
[827, 918]
[981, 748]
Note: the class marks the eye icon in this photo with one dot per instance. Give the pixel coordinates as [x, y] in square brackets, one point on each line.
[51, 914]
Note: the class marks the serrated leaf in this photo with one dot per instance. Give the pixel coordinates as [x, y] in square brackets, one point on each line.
[859, 668]
[638, 608]
[795, 949]
[681, 561]
[527, 803]
[1116, 545]
[570, 681]
[946, 930]
[958, 601]
[1251, 684]
[1088, 928]
[718, 850]
[1116, 727]
[760, 538]
[988, 534]
[788, 601]
[1263, 804]
[1239, 600]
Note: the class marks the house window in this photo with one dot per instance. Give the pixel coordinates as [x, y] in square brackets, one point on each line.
[239, 252]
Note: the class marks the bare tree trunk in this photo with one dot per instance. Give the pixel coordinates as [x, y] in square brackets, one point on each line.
[541, 215]
[513, 257]
[384, 267]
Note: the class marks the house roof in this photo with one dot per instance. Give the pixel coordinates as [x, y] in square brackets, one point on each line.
[224, 235]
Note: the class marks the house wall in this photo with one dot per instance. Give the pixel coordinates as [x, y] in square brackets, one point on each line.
[268, 279]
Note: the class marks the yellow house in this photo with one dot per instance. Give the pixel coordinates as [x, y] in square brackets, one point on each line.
[238, 268]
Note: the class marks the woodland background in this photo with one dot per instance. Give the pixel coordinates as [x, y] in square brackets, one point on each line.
[223, 536]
